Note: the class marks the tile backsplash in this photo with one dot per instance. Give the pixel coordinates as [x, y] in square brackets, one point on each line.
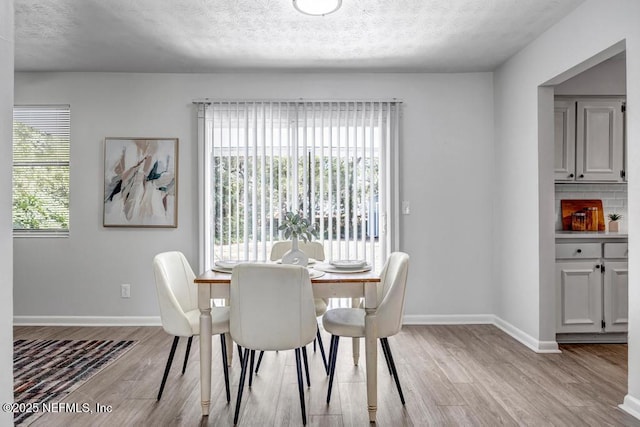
[613, 196]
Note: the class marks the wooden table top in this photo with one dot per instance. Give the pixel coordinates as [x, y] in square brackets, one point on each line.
[214, 277]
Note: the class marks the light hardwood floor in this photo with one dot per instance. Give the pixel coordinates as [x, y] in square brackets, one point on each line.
[451, 375]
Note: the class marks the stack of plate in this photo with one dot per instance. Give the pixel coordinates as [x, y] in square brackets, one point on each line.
[344, 266]
[226, 265]
[348, 264]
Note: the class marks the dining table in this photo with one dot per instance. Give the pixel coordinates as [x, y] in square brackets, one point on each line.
[355, 285]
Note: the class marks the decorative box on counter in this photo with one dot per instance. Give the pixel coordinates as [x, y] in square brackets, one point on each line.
[582, 215]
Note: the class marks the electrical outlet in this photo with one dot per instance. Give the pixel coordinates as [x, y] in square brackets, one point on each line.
[125, 290]
[406, 207]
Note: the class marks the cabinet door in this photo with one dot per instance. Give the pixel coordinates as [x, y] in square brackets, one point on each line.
[599, 141]
[565, 141]
[578, 296]
[616, 300]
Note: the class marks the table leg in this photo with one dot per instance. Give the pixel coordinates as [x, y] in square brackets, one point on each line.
[229, 344]
[204, 299]
[355, 342]
[371, 348]
[371, 355]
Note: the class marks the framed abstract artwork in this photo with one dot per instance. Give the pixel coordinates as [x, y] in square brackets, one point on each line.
[140, 182]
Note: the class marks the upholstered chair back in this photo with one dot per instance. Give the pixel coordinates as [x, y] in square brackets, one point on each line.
[311, 249]
[177, 293]
[272, 307]
[391, 291]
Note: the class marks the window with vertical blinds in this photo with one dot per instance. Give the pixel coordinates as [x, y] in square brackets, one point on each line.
[41, 147]
[329, 161]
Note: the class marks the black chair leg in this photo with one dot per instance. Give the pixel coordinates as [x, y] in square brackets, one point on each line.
[243, 374]
[168, 365]
[306, 365]
[386, 356]
[240, 353]
[225, 367]
[259, 361]
[186, 355]
[253, 353]
[385, 343]
[300, 385]
[335, 340]
[331, 343]
[324, 357]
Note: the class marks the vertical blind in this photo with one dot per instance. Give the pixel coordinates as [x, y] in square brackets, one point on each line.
[329, 161]
[41, 147]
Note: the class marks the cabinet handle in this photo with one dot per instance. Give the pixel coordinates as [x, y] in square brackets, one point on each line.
[579, 251]
[570, 175]
[581, 175]
[597, 265]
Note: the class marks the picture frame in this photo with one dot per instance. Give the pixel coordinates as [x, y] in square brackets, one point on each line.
[140, 182]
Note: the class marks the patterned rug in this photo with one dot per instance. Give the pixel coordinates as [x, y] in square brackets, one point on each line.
[45, 371]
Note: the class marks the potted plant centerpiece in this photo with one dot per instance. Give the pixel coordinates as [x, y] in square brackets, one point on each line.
[613, 221]
[296, 227]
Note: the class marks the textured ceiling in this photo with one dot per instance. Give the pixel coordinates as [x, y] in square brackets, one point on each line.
[232, 35]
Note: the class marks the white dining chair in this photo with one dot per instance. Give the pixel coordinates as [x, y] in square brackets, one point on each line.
[313, 250]
[349, 322]
[272, 309]
[179, 313]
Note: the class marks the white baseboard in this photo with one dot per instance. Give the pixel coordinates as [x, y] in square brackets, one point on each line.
[631, 406]
[526, 339]
[86, 321]
[484, 319]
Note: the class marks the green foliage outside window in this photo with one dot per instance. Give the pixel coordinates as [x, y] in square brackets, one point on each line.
[40, 179]
[232, 199]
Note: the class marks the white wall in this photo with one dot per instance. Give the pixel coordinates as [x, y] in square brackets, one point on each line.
[6, 249]
[607, 78]
[446, 159]
[523, 298]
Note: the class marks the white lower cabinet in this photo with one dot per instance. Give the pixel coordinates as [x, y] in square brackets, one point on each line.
[616, 296]
[591, 287]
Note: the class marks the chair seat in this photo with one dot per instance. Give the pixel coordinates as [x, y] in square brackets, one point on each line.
[321, 306]
[344, 322]
[219, 320]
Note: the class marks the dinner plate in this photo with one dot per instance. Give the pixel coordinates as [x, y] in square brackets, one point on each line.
[311, 261]
[349, 264]
[331, 269]
[228, 264]
[314, 274]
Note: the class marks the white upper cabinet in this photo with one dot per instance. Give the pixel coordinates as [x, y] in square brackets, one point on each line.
[565, 138]
[599, 143]
[589, 140]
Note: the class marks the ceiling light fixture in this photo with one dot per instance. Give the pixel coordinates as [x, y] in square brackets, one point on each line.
[317, 7]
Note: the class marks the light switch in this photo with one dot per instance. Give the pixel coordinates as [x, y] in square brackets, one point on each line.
[406, 208]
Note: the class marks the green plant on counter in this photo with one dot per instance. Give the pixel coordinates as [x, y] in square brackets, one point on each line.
[295, 226]
[614, 216]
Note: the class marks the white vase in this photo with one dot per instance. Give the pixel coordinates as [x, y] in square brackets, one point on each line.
[295, 256]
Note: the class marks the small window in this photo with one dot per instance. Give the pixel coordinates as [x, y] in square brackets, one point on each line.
[41, 146]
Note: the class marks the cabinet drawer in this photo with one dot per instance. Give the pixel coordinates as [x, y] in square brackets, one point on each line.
[578, 250]
[616, 250]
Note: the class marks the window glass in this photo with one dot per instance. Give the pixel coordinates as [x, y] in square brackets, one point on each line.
[41, 146]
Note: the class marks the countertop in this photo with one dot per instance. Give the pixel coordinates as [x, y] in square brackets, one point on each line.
[562, 234]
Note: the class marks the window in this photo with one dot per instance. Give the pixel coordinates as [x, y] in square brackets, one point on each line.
[41, 145]
[330, 161]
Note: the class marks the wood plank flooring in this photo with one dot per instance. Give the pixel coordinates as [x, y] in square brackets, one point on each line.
[472, 375]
